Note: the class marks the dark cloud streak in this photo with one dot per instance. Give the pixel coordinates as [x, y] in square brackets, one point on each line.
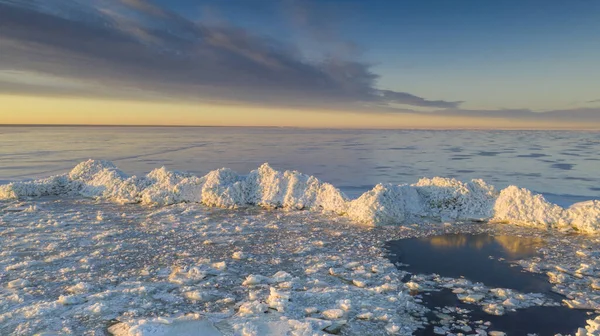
[136, 44]
[567, 115]
[409, 99]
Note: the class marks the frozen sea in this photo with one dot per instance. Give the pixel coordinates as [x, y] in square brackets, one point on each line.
[561, 165]
[77, 264]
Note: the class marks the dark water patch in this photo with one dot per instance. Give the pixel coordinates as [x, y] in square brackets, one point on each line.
[531, 155]
[461, 255]
[465, 171]
[455, 149]
[483, 153]
[152, 161]
[483, 258]
[403, 148]
[570, 154]
[461, 157]
[575, 178]
[534, 320]
[566, 201]
[310, 148]
[594, 189]
[563, 166]
[525, 174]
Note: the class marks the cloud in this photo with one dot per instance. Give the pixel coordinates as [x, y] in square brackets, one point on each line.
[409, 99]
[594, 101]
[136, 49]
[591, 115]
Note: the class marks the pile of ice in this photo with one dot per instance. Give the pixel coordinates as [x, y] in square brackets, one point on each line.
[440, 199]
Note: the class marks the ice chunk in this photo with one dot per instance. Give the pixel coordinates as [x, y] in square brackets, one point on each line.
[185, 326]
[70, 300]
[278, 299]
[187, 275]
[253, 280]
[281, 276]
[450, 199]
[470, 297]
[382, 205]
[18, 283]
[252, 308]
[200, 296]
[238, 255]
[520, 206]
[333, 314]
[584, 216]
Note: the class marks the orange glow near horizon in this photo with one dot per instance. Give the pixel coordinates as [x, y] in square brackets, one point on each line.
[54, 110]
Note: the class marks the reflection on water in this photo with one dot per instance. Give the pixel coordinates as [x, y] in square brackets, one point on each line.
[462, 255]
[515, 247]
[476, 257]
[530, 321]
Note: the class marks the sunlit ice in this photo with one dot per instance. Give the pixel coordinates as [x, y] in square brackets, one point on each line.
[299, 168]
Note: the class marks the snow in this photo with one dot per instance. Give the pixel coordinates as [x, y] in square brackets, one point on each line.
[77, 253]
[146, 271]
[521, 206]
[190, 325]
[435, 199]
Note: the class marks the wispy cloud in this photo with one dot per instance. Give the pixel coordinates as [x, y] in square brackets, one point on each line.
[409, 99]
[135, 44]
[565, 115]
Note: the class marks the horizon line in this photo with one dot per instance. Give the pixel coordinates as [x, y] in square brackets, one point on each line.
[591, 129]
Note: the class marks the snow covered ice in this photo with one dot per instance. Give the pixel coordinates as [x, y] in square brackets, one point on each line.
[81, 256]
[440, 199]
[146, 271]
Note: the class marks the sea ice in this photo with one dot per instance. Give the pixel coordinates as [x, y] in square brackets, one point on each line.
[435, 199]
[73, 264]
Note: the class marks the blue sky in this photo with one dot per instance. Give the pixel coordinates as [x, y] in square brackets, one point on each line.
[463, 58]
[491, 54]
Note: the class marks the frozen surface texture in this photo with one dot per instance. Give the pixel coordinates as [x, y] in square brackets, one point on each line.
[435, 199]
[74, 266]
[79, 266]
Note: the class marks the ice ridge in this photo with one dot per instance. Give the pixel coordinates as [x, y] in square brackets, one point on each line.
[430, 199]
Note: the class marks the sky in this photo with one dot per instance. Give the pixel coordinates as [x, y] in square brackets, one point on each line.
[302, 63]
